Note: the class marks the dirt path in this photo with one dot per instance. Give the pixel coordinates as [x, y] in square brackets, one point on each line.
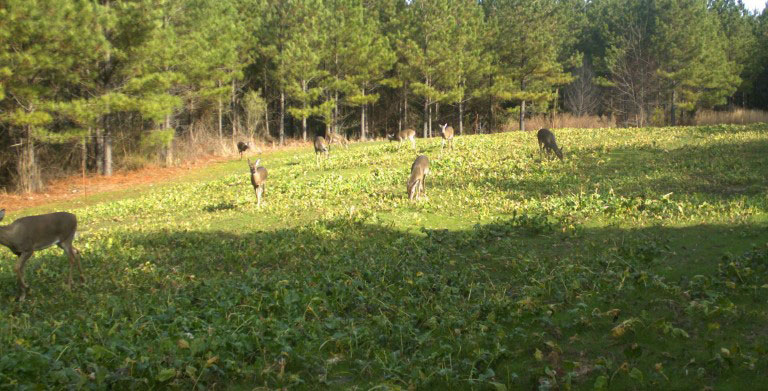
[72, 188]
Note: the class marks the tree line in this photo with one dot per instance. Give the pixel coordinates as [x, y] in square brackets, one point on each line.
[86, 82]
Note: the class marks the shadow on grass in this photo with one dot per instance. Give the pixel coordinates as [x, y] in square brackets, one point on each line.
[347, 302]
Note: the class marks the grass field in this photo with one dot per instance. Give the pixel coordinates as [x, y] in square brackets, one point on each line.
[640, 262]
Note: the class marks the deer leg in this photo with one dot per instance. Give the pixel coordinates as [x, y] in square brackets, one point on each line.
[19, 268]
[67, 247]
[258, 196]
[76, 254]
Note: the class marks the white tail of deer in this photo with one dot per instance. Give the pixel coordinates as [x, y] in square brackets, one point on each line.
[258, 179]
[447, 133]
[34, 233]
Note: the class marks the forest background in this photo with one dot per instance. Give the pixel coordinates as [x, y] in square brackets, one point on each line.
[94, 86]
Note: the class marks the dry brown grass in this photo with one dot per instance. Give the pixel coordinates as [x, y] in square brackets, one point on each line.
[564, 120]
[737, 116]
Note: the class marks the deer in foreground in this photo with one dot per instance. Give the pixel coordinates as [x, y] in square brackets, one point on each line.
[337, 138]
[321, 147]
[547, 142]
[258, 179]
[447, 133]
[407, 134]
[242, 147]
[34, 233]
[419, 171]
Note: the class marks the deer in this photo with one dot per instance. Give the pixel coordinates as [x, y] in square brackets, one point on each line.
[447, 133]
[335, 137]
[321, 147]
[242, 147]
[407, 134]
[419, 171]
[34, 233]
[547, 143]
[258, 179]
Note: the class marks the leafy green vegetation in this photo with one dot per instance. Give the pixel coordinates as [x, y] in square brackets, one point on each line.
[638, 262]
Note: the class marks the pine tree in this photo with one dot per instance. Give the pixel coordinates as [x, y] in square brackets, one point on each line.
[303, 51]
[692, 59]
[363, 55]
[527, 44]
[47, 49]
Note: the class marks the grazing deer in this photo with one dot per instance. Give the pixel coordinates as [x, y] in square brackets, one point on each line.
[258, 179]
[407, 134]
[337, 138]
[419, 171]
[242, 147]
[447, 133]
[33, 233]
[547, 142]
[321, 147]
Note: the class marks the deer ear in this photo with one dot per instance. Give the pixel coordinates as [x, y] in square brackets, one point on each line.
[256, 163]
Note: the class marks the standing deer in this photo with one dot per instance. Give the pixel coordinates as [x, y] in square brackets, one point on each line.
[547, 142]
[321, 147]
[258, 179]
[242, 147]
[407, 134]
[419, 171]
[337, 138]
[33, 233]
[447, 133]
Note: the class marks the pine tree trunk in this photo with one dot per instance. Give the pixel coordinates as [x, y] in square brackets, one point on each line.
[107, 152]
[362, 118]
[233, 112]
[405, 107]
[304, 119]
[336, 111]
[282, 116]
[430, 121]
[490, 103]
[266, 102]
[84, 156]
[27, 169]
[461, 118]
[220, 110]
[99, 151]
[672, 109]
[168, 149]
[426, 116]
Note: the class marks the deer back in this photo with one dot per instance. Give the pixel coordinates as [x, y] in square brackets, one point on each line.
[34, 233]
[448, 132]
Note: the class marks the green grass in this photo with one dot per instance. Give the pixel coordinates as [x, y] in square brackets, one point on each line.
[640, 262]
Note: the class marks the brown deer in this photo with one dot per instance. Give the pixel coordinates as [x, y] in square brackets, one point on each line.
[34, 233]
[337, 138]
[242, 147]
[547, 142]
[419, 171]
[447, 133]
[321, 147]
[407, 134]
[258, 179]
